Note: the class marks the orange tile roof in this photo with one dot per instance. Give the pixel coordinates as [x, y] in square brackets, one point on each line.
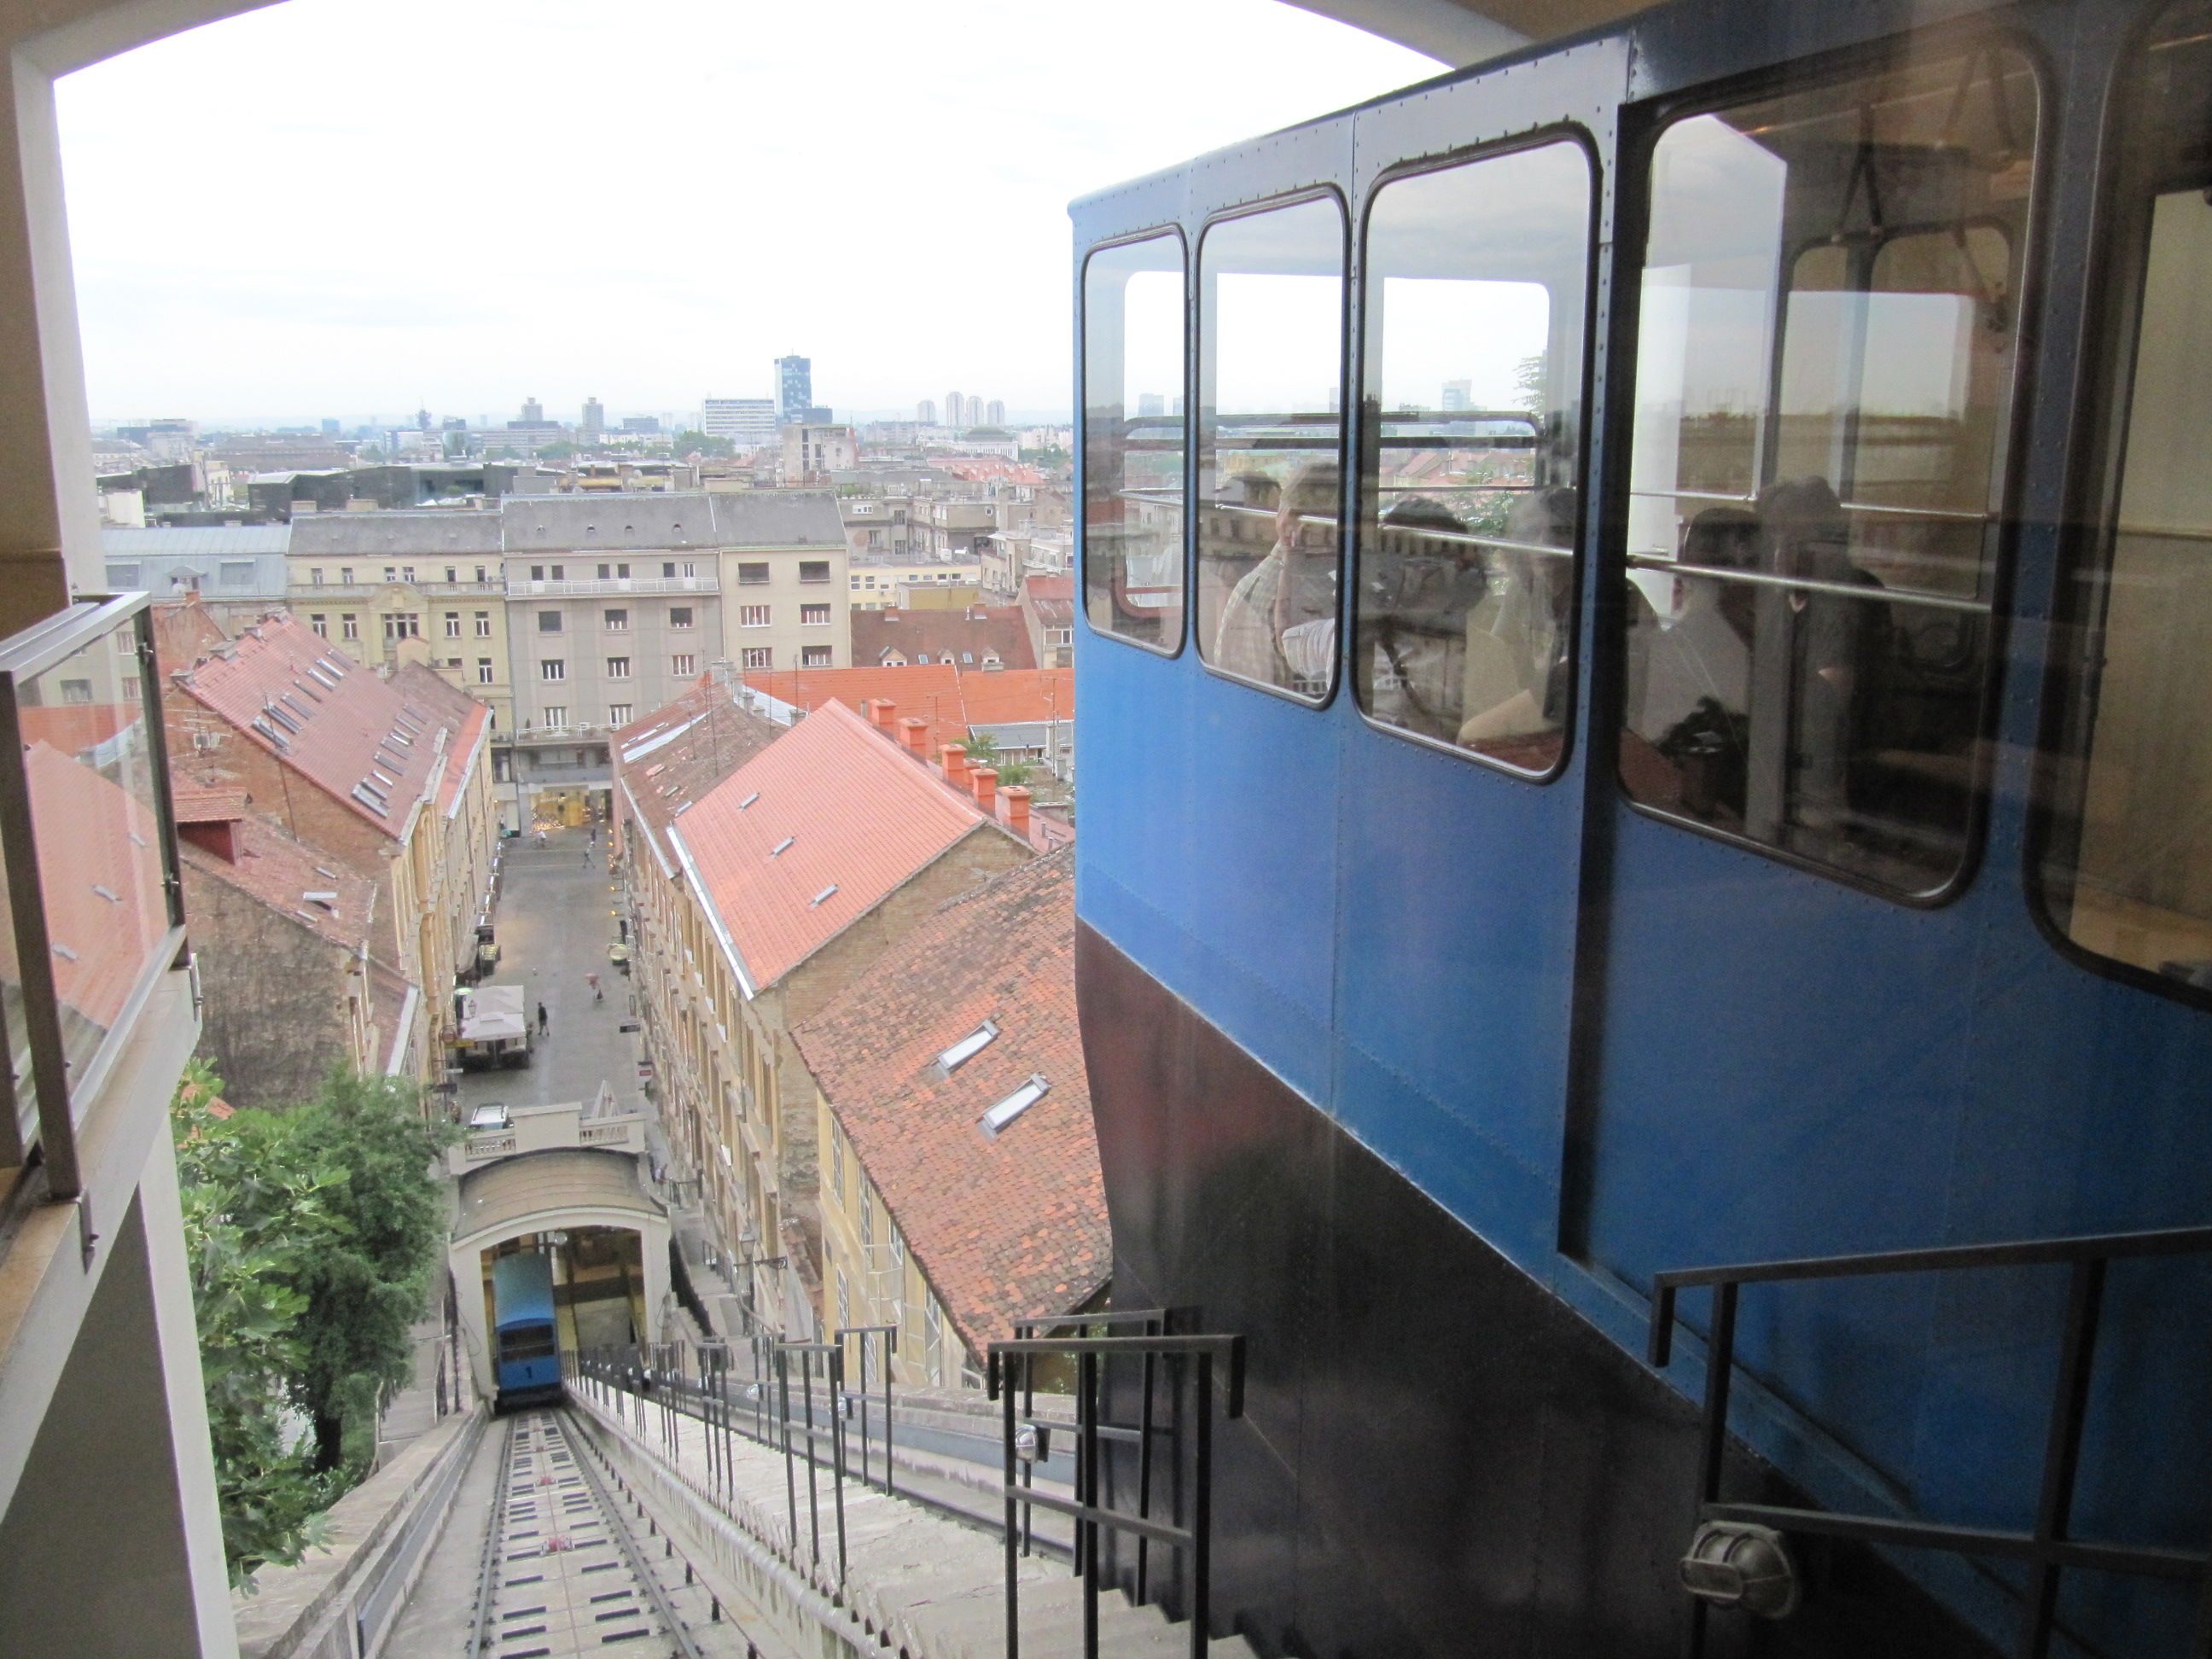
[924, 691]
[1012, 694]
[206, 803]
[1007, 1227]
[279, 872]
[829, 806]
[339, 725]
[100, 874]
[675, 756]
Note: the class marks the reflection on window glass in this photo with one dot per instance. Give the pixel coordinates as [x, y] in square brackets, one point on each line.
[1827, 330]
[1475, 348]
[2128, 872]
[1271, 327]
[1133, 443]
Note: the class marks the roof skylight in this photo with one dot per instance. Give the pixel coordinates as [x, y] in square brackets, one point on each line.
[969, 1046]
[993, 1121]
[749, 800]
[782, 847]
[821, 896]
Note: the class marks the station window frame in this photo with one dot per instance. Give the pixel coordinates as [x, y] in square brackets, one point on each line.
[2112, 302]
[1347, 498]
[1184, 248]
[1355, 435]
[1650, 121]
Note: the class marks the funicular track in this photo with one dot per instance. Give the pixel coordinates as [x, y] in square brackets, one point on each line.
[569, 1568]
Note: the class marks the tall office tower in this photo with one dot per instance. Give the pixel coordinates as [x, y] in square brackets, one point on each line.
[747, 422]
[994, 413]
[595, 419]
[1152, 402]
[794, 388]
[955, 410]
[533, 412]
[1459, 394]
[925, 412]
[422, 420]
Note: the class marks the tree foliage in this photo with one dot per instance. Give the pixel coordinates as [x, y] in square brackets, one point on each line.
[983, 751]
[692, 441]
[312, 1233]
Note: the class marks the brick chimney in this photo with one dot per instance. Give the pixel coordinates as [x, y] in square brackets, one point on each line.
[956, 765]
[1017, 797]
[884, 712]
[984, 780]
[915, 733]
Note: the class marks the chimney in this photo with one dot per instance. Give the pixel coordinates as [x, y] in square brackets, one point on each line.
[882, 711]
[984, 780]
[1017, 798]
[915, 735]
[216, 836]
[956, 765]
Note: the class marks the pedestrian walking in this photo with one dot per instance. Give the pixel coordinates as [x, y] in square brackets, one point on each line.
[592, 980]
[541, 1019]
[541, 838]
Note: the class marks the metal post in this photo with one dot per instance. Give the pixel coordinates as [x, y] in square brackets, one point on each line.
[1202, 1505]
[836, 1358]
[783, 1409]
[1144, 1475]
[1005, 1380]
[813, 1492]
[1086, 1493]
[2062, 1451]
[1719, 1355]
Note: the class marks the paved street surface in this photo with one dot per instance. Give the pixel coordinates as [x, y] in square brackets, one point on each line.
[555, 920]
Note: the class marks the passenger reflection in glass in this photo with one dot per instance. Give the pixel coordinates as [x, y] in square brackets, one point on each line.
[1470, 508]
[1826, 348]
[1271, 337]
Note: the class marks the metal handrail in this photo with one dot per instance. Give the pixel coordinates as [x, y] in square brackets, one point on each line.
[2048, 1548]
[1009, 1365]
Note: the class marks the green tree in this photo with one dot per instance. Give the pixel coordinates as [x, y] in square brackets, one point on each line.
[983, 751]
[556, 451]
[692, 441]
[365, 1291]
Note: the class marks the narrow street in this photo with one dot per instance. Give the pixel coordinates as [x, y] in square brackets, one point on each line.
[555, 920]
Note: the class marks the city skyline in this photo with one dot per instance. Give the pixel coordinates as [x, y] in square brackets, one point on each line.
[540, 178]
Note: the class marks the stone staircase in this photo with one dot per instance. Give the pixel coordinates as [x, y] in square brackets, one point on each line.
[918, 1583]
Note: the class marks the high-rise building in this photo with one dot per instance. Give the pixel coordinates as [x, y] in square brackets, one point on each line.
[994, 413]
[794, 388]
[747, 423]
[422, 420]
[955, 410]
[533, 412]
[595, 419]
[925, 412]
[1459, 394]
[1152, 402]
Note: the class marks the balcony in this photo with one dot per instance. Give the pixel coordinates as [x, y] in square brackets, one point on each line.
[93, 914]
[597, 1123]
[581, 590]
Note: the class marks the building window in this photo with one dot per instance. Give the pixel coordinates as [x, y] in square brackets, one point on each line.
[1810, 573]
[668, 570]
[538, 572]
[453, 624]
[814, 615]
[837, 1167]
[618, 668]
[406, 573]
[484, 671]
[814, 570]
[753, 574]
[391, 573]
[753, 616]
[452, 573]
[349, 626]
[549, 622]
[315, 577]
[814, 656]
[556, 715]
[560, 572]
[483, 624]
[617, 621]
[480, 575]
[684, 665]
[680, 616]
[755, 656]
[321, 623]
[553, 668]
[345, 576]
[402, 625]
[618, 713]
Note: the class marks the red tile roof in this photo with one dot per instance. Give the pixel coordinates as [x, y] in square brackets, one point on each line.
[677, 754]
[279, 872]
[929, 692]
[971, 631]
[339, 725]
[1004, 1228]
[1016, 695]
[812, 833]
[100, 873]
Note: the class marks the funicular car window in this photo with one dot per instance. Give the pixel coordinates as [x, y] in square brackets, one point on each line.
[2127, 868]
[1133, 459]
[1472, 408]
[1827, 332]
[1270, 480]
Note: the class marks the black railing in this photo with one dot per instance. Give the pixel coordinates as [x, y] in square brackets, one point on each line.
[1143, 1434]
[2048, 1549]
[858, 1404]
[1192, 1361]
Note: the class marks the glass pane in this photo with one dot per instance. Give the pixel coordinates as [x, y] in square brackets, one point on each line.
[1270, 482]
[88, 756]
[2128, 874]
[1134, 467]
[1828, 328]
[1473, 405]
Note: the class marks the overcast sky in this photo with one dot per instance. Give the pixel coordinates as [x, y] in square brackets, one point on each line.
[335, 208]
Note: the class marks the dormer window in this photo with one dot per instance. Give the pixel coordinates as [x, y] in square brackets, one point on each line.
[995, 1121]
[969, 1046]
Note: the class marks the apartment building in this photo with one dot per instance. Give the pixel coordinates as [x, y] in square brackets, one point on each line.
[386, 778]
[761, 879]
[974, 636]
[812, 452]
[960, 1177]
[236, 570]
